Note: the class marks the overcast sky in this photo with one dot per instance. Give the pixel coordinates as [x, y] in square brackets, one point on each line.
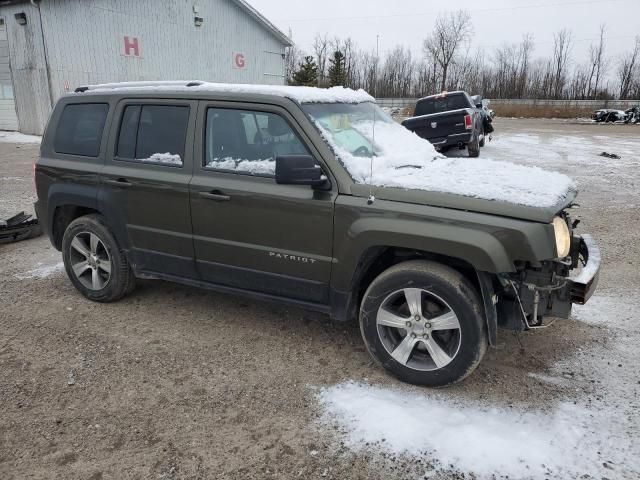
[407, 22]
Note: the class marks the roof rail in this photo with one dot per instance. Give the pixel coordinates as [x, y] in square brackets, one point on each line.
[142, 84]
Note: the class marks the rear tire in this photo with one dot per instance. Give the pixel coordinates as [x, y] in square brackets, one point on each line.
[422, 322]
[94, 262]
[481, 142]
[473, 147]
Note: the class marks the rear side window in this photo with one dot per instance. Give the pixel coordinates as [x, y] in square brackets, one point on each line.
[441, 104]
[153, 134]
[80, 128]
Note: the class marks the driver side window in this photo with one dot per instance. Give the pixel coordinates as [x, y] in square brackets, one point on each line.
[246, 141]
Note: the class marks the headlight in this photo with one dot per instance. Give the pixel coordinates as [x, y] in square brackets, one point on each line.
[563, 237]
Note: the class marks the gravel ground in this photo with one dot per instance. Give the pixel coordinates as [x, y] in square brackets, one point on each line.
[174, 382]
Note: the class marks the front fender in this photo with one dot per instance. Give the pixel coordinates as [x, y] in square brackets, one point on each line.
[478, 248]
[488, 243]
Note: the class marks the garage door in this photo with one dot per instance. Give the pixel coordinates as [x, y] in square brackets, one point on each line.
[8, 117]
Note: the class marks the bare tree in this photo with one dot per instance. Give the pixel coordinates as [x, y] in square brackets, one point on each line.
[321, 51]
[451, 31]
[292, 58]
[628, 69]
[524, 59]
[597, 64]
[561, 51]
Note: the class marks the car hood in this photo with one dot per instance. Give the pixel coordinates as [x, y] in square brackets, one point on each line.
[405, 162]
[460, 202]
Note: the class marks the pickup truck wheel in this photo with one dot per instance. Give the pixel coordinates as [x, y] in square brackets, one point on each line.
[473, 147]
[422, 322]
[94, 262]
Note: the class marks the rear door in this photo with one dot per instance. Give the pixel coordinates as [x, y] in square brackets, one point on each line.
[145, 183]
[250, 232]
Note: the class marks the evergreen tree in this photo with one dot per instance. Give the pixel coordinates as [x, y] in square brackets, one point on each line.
[337, 69]
[307, 73]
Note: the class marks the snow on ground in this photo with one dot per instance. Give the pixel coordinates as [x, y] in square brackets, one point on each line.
[576, 155]
[480, 439]
[42, 270]
[612, 312]
[17, 137]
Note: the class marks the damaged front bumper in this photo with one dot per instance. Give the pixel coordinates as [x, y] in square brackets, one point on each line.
[583, 284]
[549, 290]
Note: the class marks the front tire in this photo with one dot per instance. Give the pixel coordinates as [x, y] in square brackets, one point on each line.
[94, 262]
[422, 322]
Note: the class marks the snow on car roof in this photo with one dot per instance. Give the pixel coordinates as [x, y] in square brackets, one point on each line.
[299, 94]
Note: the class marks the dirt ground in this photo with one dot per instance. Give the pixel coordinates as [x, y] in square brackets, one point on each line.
[174, 382]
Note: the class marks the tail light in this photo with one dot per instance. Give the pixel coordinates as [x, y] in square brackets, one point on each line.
[467, 122]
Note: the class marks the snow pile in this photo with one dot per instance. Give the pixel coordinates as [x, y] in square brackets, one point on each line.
[255, 167]
[41, 271]
[299, 94]
[17, 137]
[405, 160]
[567, 442]
[163, 158]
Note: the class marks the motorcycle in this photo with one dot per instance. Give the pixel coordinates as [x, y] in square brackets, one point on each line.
[632, 115]
[606, 115]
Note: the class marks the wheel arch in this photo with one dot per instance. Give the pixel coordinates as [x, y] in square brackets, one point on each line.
[376, 259]
[65, 203]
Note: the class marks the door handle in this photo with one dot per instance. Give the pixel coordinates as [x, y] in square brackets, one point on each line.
[216, 196]
[120, 182]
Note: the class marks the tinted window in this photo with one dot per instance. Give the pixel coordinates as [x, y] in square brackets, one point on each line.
[153, 133]
[128, 132]
[80, 128]
[248, 141]
[442, 104]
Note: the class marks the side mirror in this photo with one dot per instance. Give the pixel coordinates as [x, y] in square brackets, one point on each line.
[299, 170]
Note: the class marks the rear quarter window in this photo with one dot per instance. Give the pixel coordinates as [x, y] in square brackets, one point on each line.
[79, 130]
[153, 134]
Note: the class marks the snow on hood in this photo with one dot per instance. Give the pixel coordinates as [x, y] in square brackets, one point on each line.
[299, 94]
[405, 160]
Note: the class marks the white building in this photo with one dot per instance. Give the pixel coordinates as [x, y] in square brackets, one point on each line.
[49, 47]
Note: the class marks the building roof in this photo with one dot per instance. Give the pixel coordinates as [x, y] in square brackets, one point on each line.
[298, 94]
[244, 5]
[261, 19]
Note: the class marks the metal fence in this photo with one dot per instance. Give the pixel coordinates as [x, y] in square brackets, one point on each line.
[591, 104]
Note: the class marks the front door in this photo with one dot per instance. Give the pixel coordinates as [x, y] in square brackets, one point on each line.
[250, 232]
[144, 188]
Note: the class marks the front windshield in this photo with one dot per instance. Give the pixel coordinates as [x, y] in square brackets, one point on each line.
[350, 126]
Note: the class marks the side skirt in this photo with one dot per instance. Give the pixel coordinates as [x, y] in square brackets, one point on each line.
[316, 307]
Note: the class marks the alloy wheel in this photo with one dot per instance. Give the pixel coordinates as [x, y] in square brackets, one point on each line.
[418, 329]
[90, 260]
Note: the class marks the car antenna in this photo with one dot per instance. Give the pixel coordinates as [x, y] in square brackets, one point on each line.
[371, 198]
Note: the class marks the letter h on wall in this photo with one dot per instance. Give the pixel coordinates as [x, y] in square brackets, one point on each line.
[131, 46]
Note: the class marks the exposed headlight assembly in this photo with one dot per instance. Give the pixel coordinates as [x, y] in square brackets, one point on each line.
[563, 237]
